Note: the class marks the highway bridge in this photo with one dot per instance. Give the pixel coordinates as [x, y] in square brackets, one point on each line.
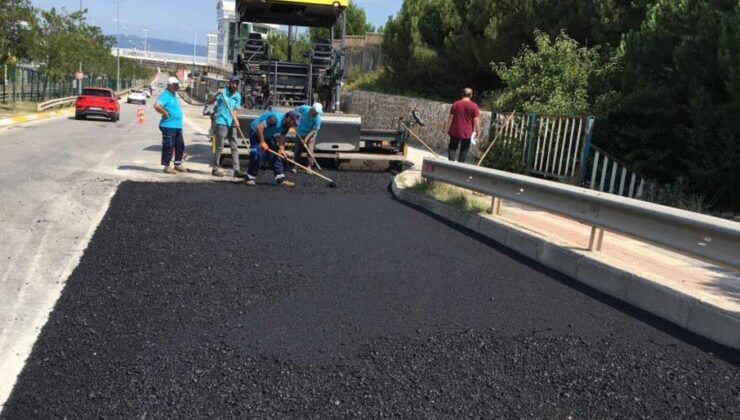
[167, 60]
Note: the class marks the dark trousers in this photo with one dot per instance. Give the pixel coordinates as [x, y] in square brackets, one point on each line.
[299, 150]
[455, 143]
[172, 139]
[257, 156]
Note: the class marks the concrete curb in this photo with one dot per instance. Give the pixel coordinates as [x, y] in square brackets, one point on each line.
[674, 306]
[6, 122]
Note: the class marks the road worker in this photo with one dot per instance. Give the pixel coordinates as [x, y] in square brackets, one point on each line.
[268, 133]
[227, 122]
[308, 130]
[171, 127]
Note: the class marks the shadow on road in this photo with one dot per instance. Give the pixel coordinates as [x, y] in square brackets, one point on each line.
[139, 169]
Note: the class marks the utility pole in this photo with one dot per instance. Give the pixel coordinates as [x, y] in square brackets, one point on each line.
[79, 25]
[290, 43]
[118, 46]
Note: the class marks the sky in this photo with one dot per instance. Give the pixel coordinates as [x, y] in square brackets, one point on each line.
[180, 20]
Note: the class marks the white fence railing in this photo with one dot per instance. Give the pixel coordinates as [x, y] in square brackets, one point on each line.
[612, 176]
[695, 234]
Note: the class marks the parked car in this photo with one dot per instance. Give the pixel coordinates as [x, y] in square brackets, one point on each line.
[149, 90]
[136, 96]
[97, 102]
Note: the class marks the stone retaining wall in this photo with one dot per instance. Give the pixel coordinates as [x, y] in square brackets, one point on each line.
[379, 110]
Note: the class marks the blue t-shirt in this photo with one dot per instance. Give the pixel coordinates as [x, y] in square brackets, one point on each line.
[223, 115]
[307, 124]
[168, 101]
[270, 130]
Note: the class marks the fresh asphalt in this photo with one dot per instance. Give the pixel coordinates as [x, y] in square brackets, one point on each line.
[56, 178]
[214, 300]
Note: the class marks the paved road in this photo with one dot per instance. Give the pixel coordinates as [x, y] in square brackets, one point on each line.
[215, 301]
[56, 178]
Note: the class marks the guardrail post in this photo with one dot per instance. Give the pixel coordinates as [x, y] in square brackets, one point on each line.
[597, 239]
[495, 206]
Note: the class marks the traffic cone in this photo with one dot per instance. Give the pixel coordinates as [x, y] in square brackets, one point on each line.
[140, 115]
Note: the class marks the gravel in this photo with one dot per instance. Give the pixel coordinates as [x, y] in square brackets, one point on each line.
[222, 301]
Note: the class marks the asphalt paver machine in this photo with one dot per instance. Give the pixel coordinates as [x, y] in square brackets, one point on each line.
[268, 83]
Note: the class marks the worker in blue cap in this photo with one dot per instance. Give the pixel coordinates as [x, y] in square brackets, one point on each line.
[268, 133]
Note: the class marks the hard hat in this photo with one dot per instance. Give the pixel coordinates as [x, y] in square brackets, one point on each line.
[173, 81]
[318, 108]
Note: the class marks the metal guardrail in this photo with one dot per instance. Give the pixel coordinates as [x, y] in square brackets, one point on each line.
[70, 99]
[54, 103]
[695, 234]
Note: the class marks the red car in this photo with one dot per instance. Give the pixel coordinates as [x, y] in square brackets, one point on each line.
[97, 102]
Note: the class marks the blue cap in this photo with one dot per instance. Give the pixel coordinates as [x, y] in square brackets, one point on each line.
[295, 115]
[235, 79]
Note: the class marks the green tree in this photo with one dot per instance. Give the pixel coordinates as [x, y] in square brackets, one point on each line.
[441, 45]
[17, 28]
[279, 43]
[357, 24]
[552, 78]
[67, 40]
[679, 111]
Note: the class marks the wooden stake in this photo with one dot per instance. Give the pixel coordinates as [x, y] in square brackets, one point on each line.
[498, 134]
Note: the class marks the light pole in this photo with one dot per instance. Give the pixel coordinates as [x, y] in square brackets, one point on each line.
[195, 40]
[145, 40]
[118, 46]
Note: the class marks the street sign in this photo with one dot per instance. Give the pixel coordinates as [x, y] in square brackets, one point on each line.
[79, 75]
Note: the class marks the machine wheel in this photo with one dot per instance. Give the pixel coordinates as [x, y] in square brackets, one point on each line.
[116, 117]
[79, 117]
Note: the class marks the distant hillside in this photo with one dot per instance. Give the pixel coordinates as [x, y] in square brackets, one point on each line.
[163, 45]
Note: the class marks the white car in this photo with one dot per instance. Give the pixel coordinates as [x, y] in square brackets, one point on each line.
[137, 96]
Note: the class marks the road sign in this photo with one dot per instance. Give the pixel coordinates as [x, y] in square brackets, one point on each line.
[79, 75]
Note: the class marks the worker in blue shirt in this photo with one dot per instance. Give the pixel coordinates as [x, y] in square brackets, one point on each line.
[268, 133]
[226, 120]
[171, 127]
[308, 130]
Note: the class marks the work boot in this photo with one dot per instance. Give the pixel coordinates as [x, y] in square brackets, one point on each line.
[218, 172]
[181, 168]
[287, 183]
[239, 174]
[250, 183]
[169, 170]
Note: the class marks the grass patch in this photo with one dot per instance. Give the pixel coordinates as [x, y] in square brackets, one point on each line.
[454, 196]
[380, 81]
[12, 109]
